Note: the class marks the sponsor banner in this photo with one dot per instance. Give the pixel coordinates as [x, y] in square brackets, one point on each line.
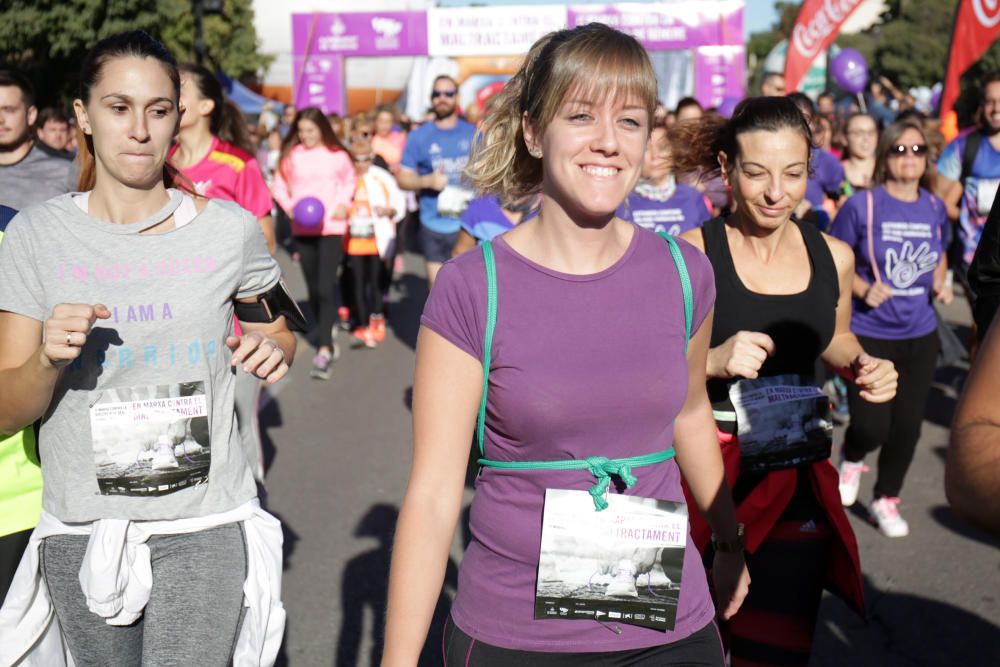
[319, 82]
[816, 27]
[718, 73]
[360, 33]
[977, 26]
[490, 31]
[661, 27]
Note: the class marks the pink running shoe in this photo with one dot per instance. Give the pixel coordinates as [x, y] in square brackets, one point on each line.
[885, 513]
[850, 481]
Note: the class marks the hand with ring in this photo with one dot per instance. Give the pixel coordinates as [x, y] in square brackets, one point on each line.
[259, 356]
[65, 333]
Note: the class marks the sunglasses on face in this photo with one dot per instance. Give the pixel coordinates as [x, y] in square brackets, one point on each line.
[916, 149]
[443, 93]
[362, 134]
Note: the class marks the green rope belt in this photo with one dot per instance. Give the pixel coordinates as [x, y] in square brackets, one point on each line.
[599, 466]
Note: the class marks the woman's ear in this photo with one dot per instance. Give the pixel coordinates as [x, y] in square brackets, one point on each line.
[82, 119]
[723, 160]
[531, 140]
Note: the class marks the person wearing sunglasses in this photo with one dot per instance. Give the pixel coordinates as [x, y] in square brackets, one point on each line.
[898, 231]
[432, 164]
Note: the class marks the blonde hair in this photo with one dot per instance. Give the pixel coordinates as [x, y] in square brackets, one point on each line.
[592, 60]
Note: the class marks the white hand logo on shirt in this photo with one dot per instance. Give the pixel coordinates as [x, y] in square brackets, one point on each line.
[903, 268]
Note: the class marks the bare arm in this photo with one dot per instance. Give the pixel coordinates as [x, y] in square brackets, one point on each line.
[266, 223]
[266, 349]
[32, 355]
[410, 180]
[951, 193]
[972, 469]
[465, 241]
[700, 461]
[446, 392]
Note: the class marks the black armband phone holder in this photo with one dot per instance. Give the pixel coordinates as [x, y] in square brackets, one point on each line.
[270, 305]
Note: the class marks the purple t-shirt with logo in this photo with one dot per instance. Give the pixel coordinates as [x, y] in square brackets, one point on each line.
[570, 394]
[908, 239]
[827, 176]
[683, 211]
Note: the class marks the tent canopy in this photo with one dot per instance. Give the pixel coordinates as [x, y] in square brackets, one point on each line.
[247, 100]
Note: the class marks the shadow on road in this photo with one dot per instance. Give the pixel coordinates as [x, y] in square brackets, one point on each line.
[365, 588]
[948, 519]
[404, 318]
[903, 629]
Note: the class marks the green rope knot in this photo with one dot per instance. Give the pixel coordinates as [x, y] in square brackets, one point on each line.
[602, 468]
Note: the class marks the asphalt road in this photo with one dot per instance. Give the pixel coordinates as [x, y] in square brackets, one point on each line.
[338, 458]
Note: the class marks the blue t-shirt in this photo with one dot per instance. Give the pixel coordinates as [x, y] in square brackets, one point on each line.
[683, 211]
[428, 149]
[909, 239]
[979, 189]
[484, 219]
[827, 176]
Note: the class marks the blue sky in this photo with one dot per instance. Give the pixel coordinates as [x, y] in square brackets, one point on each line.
[759, 14]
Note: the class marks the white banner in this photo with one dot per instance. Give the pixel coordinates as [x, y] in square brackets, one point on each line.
[490, 31]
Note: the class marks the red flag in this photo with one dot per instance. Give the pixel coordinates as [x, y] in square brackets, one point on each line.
[977, 26]
[815, 29]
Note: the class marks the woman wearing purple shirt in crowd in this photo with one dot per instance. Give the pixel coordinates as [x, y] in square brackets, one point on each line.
[572, 123]
[897, 231]
[659, 203]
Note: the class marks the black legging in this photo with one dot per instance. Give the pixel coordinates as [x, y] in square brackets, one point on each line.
[320, 259]
[893, 426]
[365, 271]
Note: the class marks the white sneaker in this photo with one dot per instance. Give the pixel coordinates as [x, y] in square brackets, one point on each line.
[885, 512]
[163, 457]
[850, 481]
[623, 583]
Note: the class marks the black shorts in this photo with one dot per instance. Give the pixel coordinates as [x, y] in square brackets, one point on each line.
[435, 246]
[700, 649]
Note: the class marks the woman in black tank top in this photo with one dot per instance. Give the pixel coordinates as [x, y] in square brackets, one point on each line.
[782, 303]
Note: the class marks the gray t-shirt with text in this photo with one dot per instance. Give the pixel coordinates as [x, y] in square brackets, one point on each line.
[141, 426]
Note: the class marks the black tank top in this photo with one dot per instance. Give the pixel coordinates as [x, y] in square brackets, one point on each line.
[801, 325]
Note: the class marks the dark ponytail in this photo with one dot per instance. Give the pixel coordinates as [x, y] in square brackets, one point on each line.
[133, 44]
[697, 143]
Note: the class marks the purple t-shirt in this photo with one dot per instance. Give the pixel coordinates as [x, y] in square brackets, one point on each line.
[683, 211]
[827, 176]
[564, 387]
[908, 241]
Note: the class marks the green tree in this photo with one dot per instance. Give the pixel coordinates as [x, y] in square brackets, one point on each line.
[47, 39]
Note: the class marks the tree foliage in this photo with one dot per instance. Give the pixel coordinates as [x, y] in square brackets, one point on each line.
[47, 39]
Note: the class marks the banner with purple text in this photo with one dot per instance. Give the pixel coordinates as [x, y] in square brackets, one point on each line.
[660, 27]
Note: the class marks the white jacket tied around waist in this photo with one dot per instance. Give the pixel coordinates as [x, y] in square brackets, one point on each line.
[116, 578]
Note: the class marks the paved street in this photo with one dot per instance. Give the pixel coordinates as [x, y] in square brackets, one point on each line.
[339, 457]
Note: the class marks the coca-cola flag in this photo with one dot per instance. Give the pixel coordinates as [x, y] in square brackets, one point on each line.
[977, 26]
[815, 29]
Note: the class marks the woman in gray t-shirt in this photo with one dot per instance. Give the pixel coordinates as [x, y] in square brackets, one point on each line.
[131, 287]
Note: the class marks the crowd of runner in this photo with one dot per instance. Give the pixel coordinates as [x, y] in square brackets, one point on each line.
[794, 248]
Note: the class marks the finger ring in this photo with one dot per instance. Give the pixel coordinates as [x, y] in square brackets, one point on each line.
[69, 336]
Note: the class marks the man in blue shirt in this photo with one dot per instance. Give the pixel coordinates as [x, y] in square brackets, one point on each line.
[433, 161]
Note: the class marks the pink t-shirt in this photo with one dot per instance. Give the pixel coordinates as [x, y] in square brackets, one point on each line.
[327, 175]
[227, 172]
[583, 365]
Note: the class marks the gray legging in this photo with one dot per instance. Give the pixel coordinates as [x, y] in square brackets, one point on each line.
[194, 611]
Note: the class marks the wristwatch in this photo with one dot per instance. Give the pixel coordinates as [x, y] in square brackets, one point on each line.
[734, 545]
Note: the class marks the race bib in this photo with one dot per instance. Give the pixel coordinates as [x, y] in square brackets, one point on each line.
[782, 422]
[986, 191]
[150, 440]
[452, 201]
[621, 565]
[361, 227]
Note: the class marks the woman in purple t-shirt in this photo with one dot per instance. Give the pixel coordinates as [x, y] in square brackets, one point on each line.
[659, 203]
[565, 388]
[897, 231]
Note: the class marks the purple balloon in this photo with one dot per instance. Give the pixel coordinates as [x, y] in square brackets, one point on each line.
[850, 71]
[308, 212]
[935, 100]
[728, 105]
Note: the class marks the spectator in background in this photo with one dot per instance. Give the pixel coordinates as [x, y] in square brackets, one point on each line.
[859, 156]
[826, 175]
[52, 128]
[688, 108]
[30, 171]
[773, 85]
[825, 105]
[388, 141]
[433, 163]
[880, 102]
[287, 120]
